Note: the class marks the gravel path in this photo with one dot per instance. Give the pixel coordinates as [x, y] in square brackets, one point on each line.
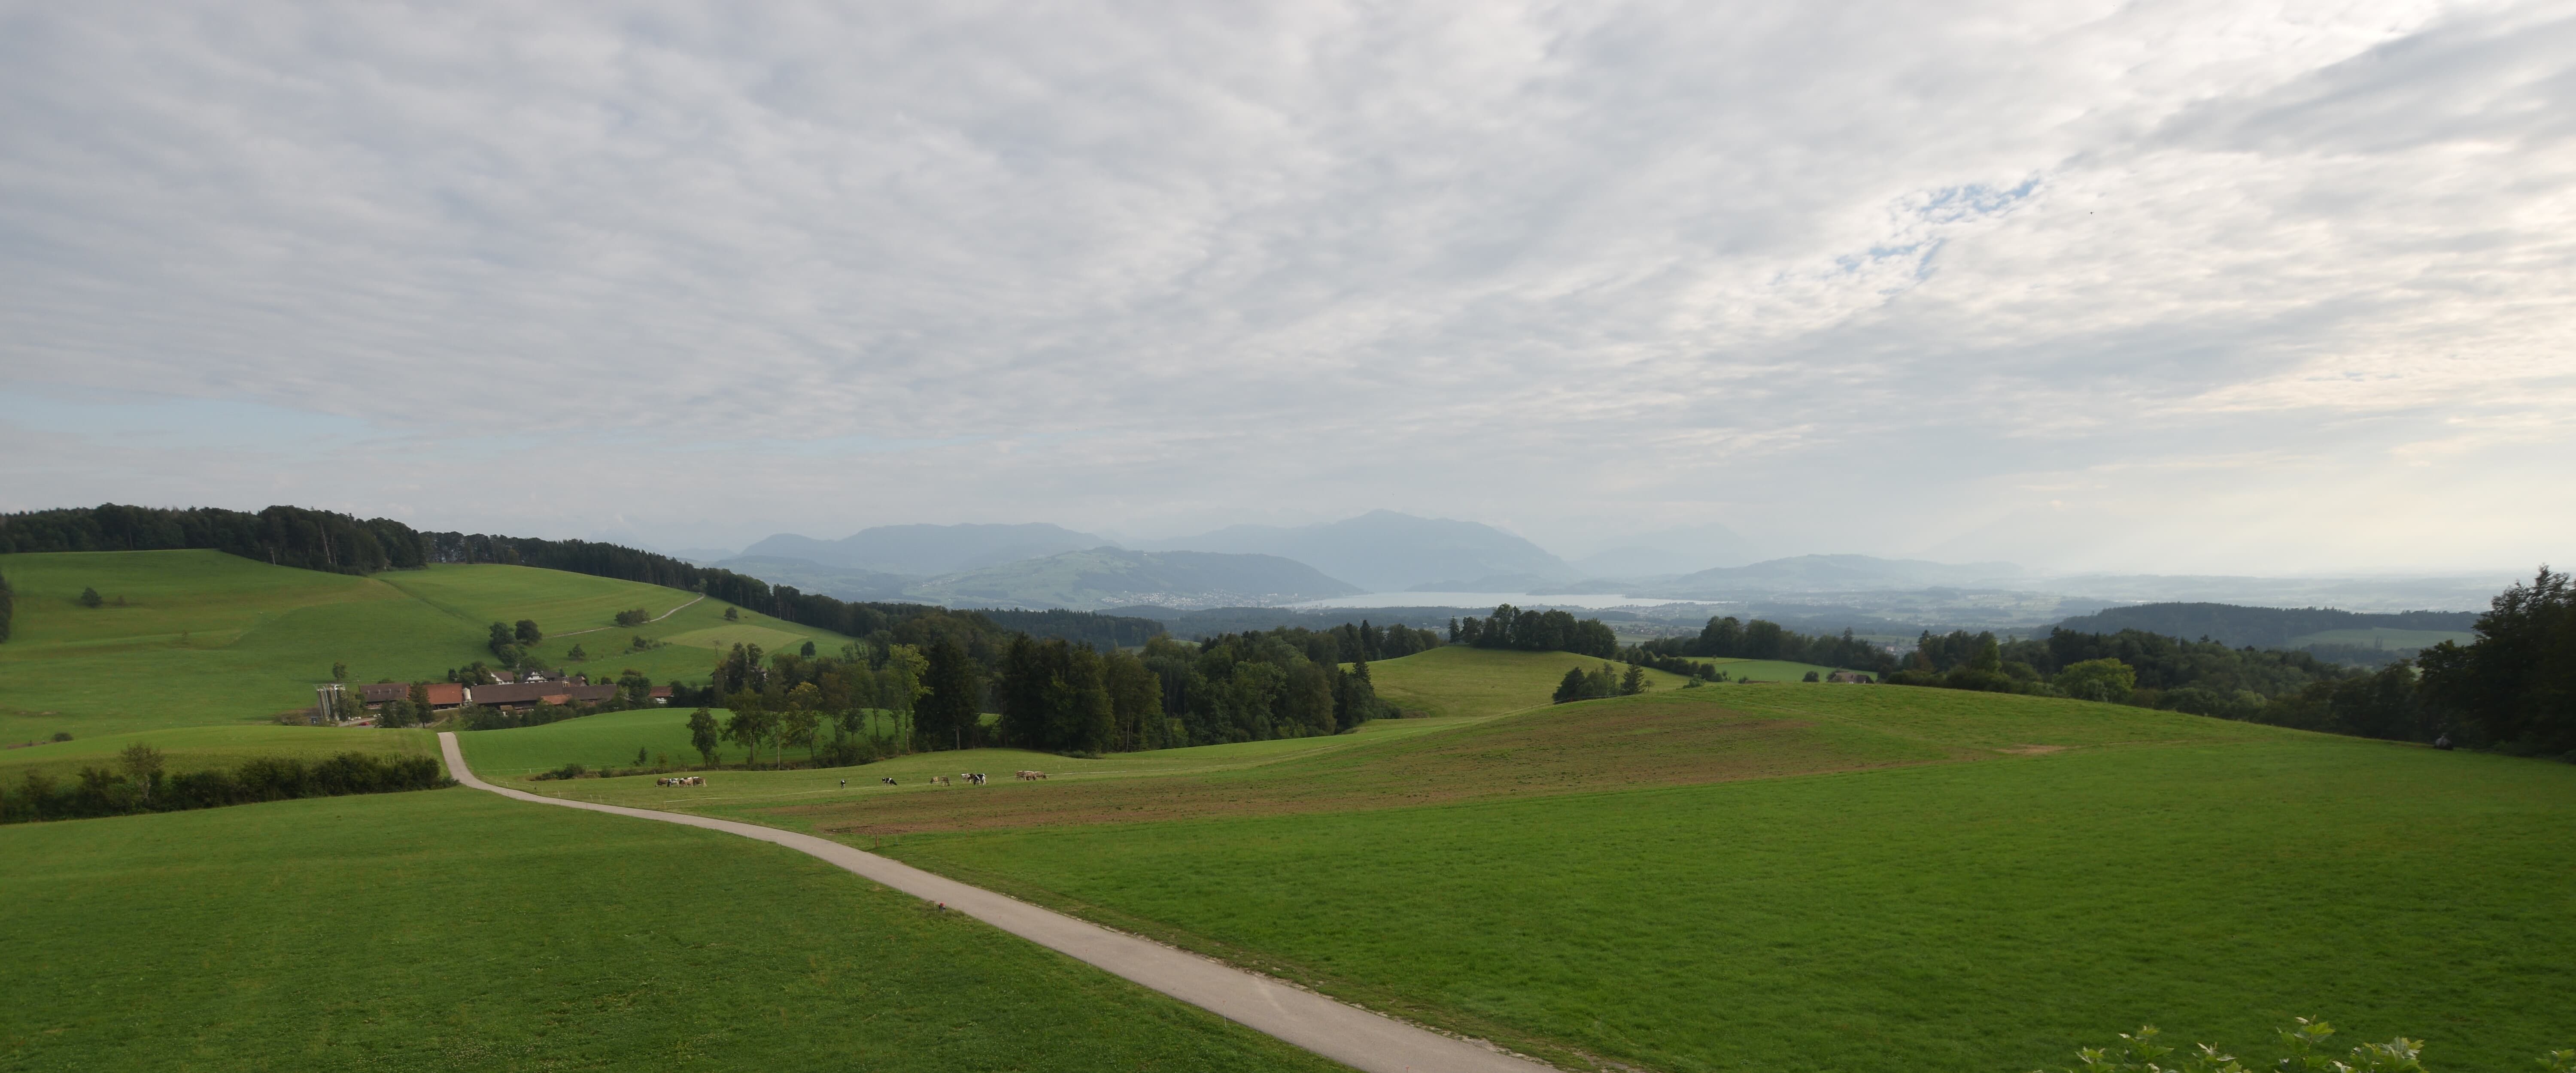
[1344, 1033]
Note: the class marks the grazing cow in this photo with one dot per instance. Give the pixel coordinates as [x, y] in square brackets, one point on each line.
[940, 780]
[886, 780]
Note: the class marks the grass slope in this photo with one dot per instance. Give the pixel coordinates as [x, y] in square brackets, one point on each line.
[1970, 916]
[208, 638]
[451, 929]
[1458, 680]
[199, 748]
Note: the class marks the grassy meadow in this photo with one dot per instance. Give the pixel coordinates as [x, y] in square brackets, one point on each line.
[1457, 680]
[1792, 876]
[1969, 916]
[452, 929]
[206, 638]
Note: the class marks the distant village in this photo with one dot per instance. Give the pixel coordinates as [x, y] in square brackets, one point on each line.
[530, 690]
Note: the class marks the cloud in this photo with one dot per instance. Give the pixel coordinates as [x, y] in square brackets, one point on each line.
[1851, 277]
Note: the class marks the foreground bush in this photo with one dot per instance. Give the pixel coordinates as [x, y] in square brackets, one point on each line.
[2139, 1052]
[143, 788]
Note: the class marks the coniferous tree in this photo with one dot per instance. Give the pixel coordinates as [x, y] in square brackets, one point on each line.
[946, 717]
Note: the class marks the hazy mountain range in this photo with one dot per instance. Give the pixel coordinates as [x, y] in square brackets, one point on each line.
[1039, 566]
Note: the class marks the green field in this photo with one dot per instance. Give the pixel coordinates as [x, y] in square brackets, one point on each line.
[200, 748]
[1457, 680]
[606, 741]
[452, 929]
[1992, 914]
[206, 638]
[1792, 876]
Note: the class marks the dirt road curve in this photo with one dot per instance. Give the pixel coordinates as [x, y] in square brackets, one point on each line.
[1343, 1033]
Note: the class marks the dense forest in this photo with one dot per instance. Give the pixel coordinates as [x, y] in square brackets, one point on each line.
[1053, 695]
[1726, 638]
[1287, 682]
[2258, 627]
[2514, 687]
[1535, 631]
[283, 536]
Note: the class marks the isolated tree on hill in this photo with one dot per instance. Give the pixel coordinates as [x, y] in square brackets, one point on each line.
[733, 614]
[807, 651]
[339, 672]
[1571, 688]
[577, 655]
[526, 632]
[703, 735]
[89, 597]
[1633, 682]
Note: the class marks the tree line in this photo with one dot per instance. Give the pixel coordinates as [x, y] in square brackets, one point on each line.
[1535, 631]
[281, 536]
[138, 783]
[1727, 638]
[2511, 689]
[1286, 682]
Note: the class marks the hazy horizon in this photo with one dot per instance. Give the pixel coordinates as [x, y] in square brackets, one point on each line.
[2083, 287]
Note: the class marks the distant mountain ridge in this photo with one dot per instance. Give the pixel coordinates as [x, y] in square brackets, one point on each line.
[1383, 551]
[927, 550]
[1824, 573]
[2260, 627]
[1109, 577]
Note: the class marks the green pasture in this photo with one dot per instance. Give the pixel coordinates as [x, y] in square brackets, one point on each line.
[208, 638]
[1457, 680]
[1766, 670]
[453, 929]
[1966, 916]
[580, 611]
[221, 746]
[204, 638]
[609, 740]
[2383, 637]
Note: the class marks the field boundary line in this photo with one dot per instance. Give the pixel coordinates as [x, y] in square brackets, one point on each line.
[1357, 1037]
[646, 622]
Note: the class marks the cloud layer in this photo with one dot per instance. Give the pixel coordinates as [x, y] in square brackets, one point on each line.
[2181, 286]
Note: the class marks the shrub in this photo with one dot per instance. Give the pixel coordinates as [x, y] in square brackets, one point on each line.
[2138, 1052]
[2103, 679]
[89, 597]
[636, 617]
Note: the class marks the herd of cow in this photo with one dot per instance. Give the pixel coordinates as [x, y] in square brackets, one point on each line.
[682, 780]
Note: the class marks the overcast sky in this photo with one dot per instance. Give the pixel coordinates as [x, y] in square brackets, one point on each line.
[2136, 286]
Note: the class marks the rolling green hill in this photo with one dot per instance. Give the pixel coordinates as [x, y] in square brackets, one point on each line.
[1458, 680]
[1795, 876]
[192, 638]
